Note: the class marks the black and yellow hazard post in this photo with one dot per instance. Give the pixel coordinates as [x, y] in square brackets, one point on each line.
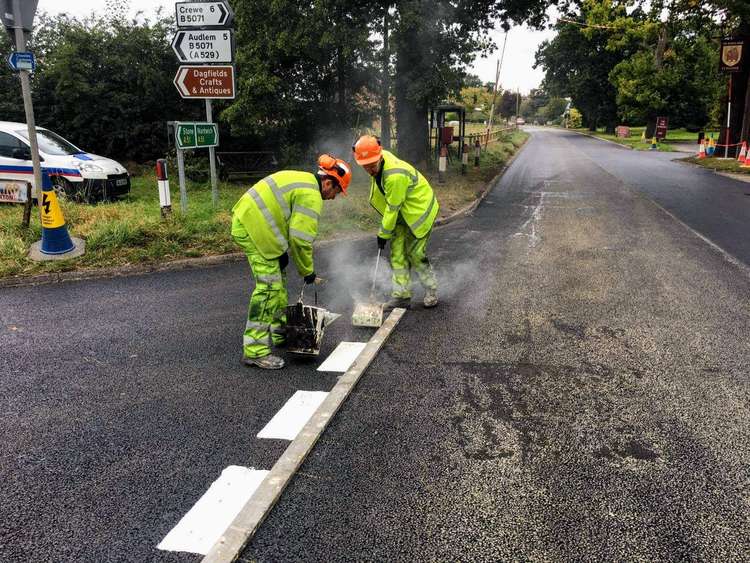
[654, 144]
[56, 243]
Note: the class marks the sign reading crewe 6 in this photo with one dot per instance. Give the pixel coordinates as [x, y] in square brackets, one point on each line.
[196, 135]
[203, 14]
[205, 82]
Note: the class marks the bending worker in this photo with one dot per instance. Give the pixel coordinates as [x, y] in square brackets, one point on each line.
[405, 200]
[277, 216]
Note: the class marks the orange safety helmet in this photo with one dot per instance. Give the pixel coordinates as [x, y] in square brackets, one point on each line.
[336, 168]
[367, 150]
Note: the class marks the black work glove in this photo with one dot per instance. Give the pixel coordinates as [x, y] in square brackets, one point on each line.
[283, 261]
[310, 279]
[381, 243]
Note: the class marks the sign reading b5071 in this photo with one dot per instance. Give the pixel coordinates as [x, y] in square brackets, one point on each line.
[203, 14]
[196, 135]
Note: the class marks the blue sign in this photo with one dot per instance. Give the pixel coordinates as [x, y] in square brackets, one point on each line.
[22, 61]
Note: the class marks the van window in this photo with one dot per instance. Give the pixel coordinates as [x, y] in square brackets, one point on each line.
[9, 143]
[52, 143]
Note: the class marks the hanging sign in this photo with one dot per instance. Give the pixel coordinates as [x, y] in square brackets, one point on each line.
[732, 55]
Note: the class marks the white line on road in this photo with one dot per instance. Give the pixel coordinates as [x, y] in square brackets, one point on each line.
[199, 529]
[235, 537]
[286, 424]
[343, 356]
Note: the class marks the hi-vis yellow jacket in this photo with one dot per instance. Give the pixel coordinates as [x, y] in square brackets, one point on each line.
[406, 194]
[281, 212]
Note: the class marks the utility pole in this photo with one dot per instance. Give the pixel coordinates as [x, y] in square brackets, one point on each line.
[494, 90]
[518, 103]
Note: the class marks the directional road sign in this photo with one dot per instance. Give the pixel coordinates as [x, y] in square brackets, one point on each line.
[207, 82]
[203, 46]
[196, 135]
[22, 61]
[26, 11]
[203, 14]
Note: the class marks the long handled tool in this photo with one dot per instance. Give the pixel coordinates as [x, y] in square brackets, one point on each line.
[369, 313]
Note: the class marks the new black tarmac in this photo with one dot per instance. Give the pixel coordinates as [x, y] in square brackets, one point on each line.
[581, 392]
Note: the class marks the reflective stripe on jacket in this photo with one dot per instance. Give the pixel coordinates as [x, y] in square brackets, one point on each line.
[281, 212]
[408, 195]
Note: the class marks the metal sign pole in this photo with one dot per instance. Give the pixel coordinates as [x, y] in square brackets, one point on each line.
[212, 159]
[27, 104]
[729, 116]
[181, 175]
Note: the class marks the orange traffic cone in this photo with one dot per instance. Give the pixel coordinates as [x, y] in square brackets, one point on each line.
[742, 158]
[702, 150]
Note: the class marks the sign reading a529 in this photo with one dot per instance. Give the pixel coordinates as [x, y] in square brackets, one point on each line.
[203, 14]
[203, 46]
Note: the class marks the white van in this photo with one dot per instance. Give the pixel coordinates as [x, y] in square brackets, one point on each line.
[74, 172]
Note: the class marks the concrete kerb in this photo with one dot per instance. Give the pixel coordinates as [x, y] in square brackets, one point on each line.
[216, 260]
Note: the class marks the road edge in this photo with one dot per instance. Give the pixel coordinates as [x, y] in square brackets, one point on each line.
[234, 539]
[219, 259]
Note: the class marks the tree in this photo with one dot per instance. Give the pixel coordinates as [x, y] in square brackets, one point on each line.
[433, 41]
[577, 62]
[308, 72]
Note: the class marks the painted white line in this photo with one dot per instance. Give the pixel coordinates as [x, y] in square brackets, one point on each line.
[343, 356]
[220, 504]
[235, 537]
[286, 424]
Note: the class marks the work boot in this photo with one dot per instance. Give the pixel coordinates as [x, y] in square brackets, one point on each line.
[398, 302]
[430, 298]
[265, 362]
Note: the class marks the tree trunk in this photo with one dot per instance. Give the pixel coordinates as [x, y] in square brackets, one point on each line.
[411, 109]
[341, 87]
[412, 133]
[650, 127]
[385, 95]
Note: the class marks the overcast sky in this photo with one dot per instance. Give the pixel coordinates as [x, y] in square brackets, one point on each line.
[516, 72]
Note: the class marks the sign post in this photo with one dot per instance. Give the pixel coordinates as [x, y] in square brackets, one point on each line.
[18, 18]
[204, 36]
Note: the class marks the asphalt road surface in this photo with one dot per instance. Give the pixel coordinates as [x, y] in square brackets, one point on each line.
[581, 393]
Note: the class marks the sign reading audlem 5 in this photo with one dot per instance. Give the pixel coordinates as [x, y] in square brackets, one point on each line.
[196, 135]
[205, 82]
[203, 14]
[203, 46]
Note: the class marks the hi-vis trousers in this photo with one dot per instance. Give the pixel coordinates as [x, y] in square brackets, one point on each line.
[409, 253]
[266, 314]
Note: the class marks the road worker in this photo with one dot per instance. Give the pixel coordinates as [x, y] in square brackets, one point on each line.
[408, 206]
[277, 217]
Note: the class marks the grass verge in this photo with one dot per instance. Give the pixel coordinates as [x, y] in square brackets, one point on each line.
[681, 136]
[131, 231]
[729, 165]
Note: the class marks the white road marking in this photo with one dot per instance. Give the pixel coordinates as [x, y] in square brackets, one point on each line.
[533, 220]
[204, 523]
[286, 424]
[343, 356]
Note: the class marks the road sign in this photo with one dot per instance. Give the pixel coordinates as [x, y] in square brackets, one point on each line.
[207, 82]
[203, 46]
[662, 124]
[26, 11]
[196, 135]
[22, 61]
[203, 14]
